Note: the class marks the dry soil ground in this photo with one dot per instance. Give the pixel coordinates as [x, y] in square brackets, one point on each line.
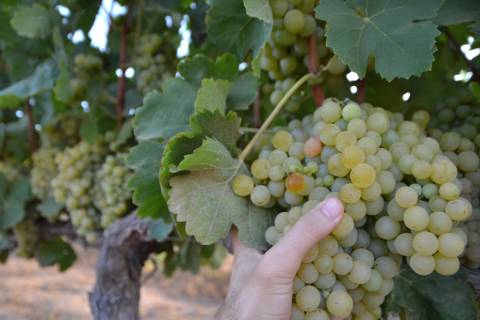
[28, 292]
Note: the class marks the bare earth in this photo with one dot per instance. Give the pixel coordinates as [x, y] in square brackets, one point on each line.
[29, 292]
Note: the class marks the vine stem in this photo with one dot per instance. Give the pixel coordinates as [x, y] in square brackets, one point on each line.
[361, 94]
[313, 67]
[121, 91]
[456, 46]
[32, 139]
[274, 113]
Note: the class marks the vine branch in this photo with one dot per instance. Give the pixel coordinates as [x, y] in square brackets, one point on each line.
[120, 104]
[313, 67]
[31, 136]
[456, 46]
[256, 111]
[274, 113]
[361, 93]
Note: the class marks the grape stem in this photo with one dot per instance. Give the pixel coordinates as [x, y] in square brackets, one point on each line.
[32, 139]
[274, 113]
[361, 94]
[313, 66]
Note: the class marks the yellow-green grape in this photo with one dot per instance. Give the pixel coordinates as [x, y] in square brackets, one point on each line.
[440, 223]
[260, 169]
[358, 127]
[282, 140]
[323, 263]
[335, 166]
[404, 244]
[352, 155]
[449, 191]
[317, 315]
[328, 134]
[330, 111]
[342, 264]
[416, 218]
[459, 209]
[450, 245]
[425, 243]
[387, 228]
[308, 298]
[422, 265]
[260, 196]
[406, 197]
[443, 171]
[339, 304]
[446, 266]
[421, 169]
[242, 185]
[378, 122]
[344, 139]
[362, 175]
[344, 228]
[349, 193]
[374, 283]
[360, 272]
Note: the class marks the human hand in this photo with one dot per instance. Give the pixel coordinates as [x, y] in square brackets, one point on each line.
[261, 286]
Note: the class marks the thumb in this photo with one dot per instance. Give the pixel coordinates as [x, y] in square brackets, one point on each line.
[289, 252]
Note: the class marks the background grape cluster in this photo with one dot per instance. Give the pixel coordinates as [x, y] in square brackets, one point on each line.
[405, 199]
[155, 60]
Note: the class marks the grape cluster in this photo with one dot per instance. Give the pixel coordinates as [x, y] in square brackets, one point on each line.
[155, 60]
[9, 171]
[110, 194]
[456, 127]
[43, 172]
[86, 67]
[63, 130]
[401, 195]
[73, 185]
[285, 56]
[26, 235]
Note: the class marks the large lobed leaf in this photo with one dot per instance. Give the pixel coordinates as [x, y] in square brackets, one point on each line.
[42, 79]
[458, 11]
[54, 252]
[145, 160]
[204, 200]
[164, 115]
[432, 297]
[32, 21]
[12, 202]
[259, 9]
[390, 31]
[231, 29]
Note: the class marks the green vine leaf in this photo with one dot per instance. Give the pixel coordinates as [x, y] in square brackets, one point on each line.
[54, 252]
[12, 206]
[203, 198]
[225, 129]
[145, 160]
[159, 230]
[198, 67]
[163, 115]
[212, 95]
[259, 9]
[243, 92]
[41, 80]
[457, 11]
[389, 31]
[424, 297]
[32, 21]
[231, 29]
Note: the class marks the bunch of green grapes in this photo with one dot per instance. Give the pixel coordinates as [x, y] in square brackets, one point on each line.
[43, 172]
[26, 235]
[9, 171]
[86, 67]
[110, 193]
[402, 199]
[456, 128]
[73, 185]
[63, 130]
[285, 56]
[155, 60]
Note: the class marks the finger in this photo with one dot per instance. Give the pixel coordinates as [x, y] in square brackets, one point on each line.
[289, 252]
